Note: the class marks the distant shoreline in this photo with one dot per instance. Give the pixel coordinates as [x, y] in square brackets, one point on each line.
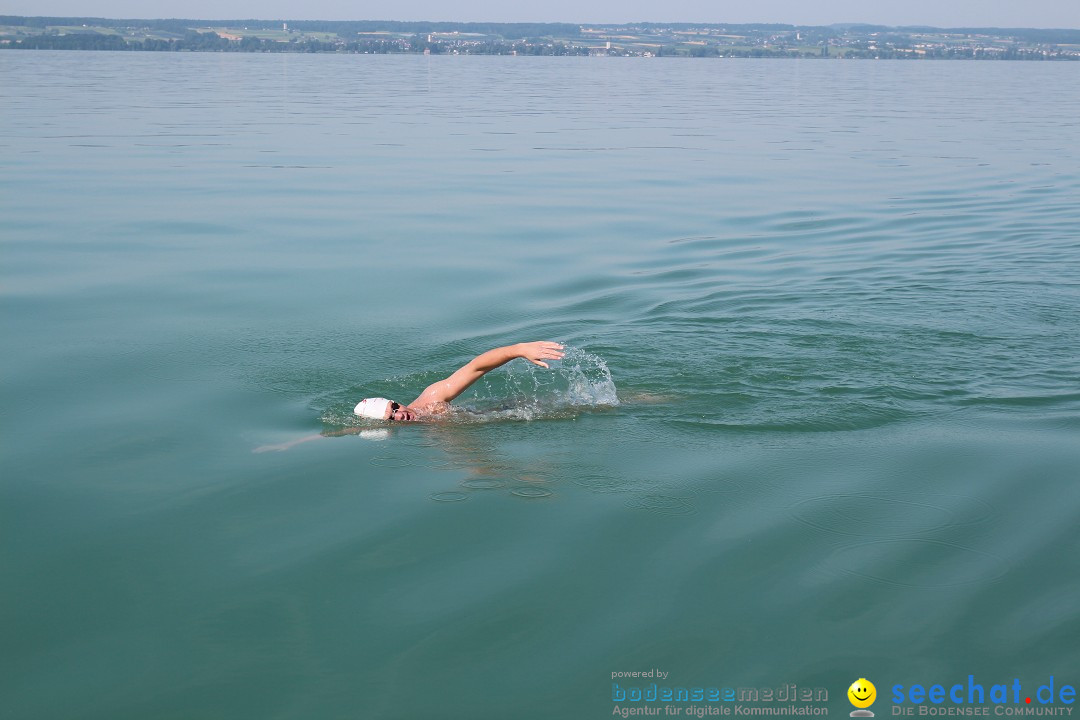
[847, 41]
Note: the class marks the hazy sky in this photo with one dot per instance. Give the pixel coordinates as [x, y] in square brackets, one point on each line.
[940, 13]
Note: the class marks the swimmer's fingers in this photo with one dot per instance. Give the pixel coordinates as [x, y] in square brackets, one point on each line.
[537, 352]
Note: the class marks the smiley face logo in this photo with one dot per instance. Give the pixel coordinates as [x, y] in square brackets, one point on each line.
[862, 693]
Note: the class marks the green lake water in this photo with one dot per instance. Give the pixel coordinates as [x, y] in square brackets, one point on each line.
[819, 421]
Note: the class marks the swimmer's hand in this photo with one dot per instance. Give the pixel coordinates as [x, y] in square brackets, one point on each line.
[537, 352]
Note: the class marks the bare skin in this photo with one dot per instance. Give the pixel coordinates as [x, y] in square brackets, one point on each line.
[436, 397]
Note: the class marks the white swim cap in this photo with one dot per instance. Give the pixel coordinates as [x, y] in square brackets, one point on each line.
[374, 408]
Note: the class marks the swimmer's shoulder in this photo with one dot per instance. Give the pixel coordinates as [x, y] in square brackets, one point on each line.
[431, 408]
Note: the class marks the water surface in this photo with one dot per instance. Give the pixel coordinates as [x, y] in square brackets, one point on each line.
[820, 421]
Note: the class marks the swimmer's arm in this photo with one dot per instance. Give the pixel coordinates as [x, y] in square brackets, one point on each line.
[448, 389]
[281, 447]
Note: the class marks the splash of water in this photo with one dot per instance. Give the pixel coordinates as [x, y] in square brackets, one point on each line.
[523, 391]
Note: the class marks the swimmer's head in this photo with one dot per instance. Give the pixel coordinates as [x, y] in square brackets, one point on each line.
[372, 408]
[383, 409]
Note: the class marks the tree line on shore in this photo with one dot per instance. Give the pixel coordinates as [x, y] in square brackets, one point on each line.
[194, 41]
[382, 37]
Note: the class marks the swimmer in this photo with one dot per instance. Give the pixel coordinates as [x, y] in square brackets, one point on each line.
[438, 395]
[435, 398]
